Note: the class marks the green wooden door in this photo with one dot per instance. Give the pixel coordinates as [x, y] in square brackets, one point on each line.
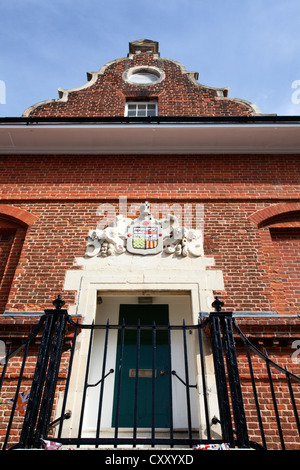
[147, 314]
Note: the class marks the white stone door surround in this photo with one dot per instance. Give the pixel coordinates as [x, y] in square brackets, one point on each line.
[154, 275]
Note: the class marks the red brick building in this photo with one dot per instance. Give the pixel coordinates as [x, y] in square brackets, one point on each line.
[144, 129]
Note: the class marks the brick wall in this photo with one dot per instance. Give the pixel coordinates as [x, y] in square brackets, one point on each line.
[277, 336]
[238, 177]
[177, 95]
[64, 193]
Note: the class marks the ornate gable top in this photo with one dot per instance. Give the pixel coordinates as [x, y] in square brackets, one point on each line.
[142, 75]
[143, 45]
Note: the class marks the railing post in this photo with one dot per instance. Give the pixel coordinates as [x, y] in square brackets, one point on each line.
[223, 344]
[39, 407]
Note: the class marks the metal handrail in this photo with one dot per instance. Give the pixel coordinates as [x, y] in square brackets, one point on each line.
[263, 355]
[217, 322]
[288, 375]
[31, 335]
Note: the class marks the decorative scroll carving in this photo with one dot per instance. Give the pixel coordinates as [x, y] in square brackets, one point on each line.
[144, 236]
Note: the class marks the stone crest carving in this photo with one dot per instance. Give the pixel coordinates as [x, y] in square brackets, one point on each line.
[145, 236]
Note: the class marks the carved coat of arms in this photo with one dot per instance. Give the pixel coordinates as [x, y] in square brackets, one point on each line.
[144, 235]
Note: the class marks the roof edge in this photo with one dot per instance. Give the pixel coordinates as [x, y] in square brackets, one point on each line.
[253, 119]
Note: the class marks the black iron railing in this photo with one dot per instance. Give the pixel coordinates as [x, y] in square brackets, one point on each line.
[134, 439]
[228, 380]
[231, 417]
[286, 379]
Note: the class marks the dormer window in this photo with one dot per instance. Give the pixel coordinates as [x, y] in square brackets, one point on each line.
[141, 109]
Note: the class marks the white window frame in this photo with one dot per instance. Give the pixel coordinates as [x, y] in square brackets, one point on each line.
[136, 103]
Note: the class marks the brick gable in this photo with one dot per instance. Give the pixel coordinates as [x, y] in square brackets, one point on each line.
[178, 93]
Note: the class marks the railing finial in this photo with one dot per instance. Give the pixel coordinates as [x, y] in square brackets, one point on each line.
[58, 303]
[217, 304]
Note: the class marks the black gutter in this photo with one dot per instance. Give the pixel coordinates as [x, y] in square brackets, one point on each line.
[257, 119]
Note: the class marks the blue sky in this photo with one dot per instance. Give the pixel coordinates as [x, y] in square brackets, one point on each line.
[251, 46]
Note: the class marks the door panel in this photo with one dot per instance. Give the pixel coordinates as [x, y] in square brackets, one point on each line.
[147, 314]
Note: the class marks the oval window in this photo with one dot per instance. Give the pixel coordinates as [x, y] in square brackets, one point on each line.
[143, 78]
[143, 75]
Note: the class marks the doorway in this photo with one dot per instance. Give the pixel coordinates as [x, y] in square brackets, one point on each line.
[142, 386]
[161, 309]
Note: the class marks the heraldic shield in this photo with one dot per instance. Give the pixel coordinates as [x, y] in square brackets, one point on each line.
[144, 235]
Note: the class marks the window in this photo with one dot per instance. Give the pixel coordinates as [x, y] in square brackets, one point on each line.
[280, 242]
[286, 244]
[5, 237]
[11, 242]
[9, 254]
[141, 109]
[143, 76]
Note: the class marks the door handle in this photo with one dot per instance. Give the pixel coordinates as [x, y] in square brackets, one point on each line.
[162, 372]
